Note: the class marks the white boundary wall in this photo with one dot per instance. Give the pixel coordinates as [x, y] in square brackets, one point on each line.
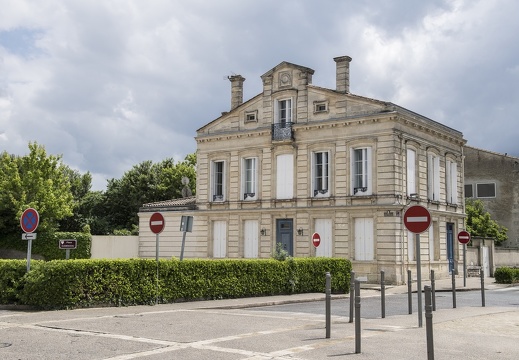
[114, 247]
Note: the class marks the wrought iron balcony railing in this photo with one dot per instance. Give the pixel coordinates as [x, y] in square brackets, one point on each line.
[282, 131]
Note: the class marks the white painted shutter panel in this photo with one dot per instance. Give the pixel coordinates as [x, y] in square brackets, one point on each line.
[410, 246]
[219, 239]
[250, 229]
[411, 172]
[285, 176]
[431, 243]
[364, 246]
[324, 228]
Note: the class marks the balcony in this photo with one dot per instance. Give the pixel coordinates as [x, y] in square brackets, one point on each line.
[282, 132]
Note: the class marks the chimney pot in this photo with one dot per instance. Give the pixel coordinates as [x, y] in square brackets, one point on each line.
[236, 90]
[342, 75]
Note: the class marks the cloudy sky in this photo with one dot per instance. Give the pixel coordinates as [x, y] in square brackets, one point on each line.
[108, 84]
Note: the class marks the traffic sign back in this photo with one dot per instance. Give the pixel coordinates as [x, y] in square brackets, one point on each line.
[417, 219]
[29, 220]
[157, 223]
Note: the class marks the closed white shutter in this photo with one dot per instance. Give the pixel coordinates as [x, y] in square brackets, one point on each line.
[411, 172]
[364, 244]
[452, 182]
[410, 246]
[431, 243]
[250, 234]
[219, 239]
[324, 228]
[285, 176]
[433, 177]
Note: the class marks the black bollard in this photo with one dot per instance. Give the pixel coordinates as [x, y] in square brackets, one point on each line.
[482, 275]
[357, 317]
[352, 294]
[429, 323]
[453, 290]
[409, 292]
[433, 291]
[328, 303]
[382, 294]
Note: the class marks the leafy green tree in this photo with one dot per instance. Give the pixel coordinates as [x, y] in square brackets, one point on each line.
[145, 183]
[36, 180]
[480, 223]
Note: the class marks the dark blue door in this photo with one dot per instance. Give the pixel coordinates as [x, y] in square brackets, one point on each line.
[285, 234]
[450, 246]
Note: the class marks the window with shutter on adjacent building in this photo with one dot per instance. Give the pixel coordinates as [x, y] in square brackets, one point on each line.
[321, 174]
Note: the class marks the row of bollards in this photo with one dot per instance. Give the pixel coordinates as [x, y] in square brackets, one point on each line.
[430, 305]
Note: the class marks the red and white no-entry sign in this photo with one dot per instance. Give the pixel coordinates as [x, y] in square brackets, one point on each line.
[157, 223]
[316, 239]
[417, 219]
[463, 237]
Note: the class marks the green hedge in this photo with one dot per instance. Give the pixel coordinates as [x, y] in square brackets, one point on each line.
[46, 244]
[506, 275]
[60, 284]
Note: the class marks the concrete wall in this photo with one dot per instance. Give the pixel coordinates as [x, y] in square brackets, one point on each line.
[113, 247]
[506, 257]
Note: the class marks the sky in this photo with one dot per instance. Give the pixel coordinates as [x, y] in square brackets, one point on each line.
[108, 84]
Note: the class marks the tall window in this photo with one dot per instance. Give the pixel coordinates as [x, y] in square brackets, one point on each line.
[219, 239]
[249, 179]
[250, 238]
[433, 177]
[284, 111]
[321, 173]
[218, 180]
[411, 172]
[361, 171]
[451, 170]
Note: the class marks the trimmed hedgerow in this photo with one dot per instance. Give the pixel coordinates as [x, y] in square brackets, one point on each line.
[506, 275]
[60, 284]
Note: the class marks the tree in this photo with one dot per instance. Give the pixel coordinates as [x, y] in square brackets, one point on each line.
[35, 180]
[480, 223]
[145, 183]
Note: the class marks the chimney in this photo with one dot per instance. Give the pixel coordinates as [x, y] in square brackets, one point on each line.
[342, 76]
[236, 90]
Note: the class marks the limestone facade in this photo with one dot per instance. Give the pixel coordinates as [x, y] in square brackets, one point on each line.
[299, 159]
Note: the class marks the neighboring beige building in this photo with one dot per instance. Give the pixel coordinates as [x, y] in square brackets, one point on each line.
[494, 179]
[298, 159]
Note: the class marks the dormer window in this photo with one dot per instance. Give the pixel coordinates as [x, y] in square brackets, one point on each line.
[320, 106]
[251, 116]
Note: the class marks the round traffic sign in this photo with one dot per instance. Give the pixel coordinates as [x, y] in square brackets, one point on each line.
[157, 223]
[417, 219]
[463, 237]
[29, 220]
[316, 239]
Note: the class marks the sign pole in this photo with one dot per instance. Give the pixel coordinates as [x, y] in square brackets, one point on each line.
[419, 279]
[29, 250]
[157, 224]
[157, 261]
[464, 265]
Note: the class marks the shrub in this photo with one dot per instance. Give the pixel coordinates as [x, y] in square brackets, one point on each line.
[506, 275]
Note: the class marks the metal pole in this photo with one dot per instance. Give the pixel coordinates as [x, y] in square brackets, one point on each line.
[453, 290]
[183, 244]
[352, 294]
[328, 304]
[429, 323]
[29, 250]
[464, 265]
[67, 254]
[157, 261]
[383, 294]
[419, 280]
[433, 289]
[357, 317]
[482, 274]
[409, 292]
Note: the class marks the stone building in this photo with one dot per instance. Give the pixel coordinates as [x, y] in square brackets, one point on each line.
[494, 179]
[298, 158]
